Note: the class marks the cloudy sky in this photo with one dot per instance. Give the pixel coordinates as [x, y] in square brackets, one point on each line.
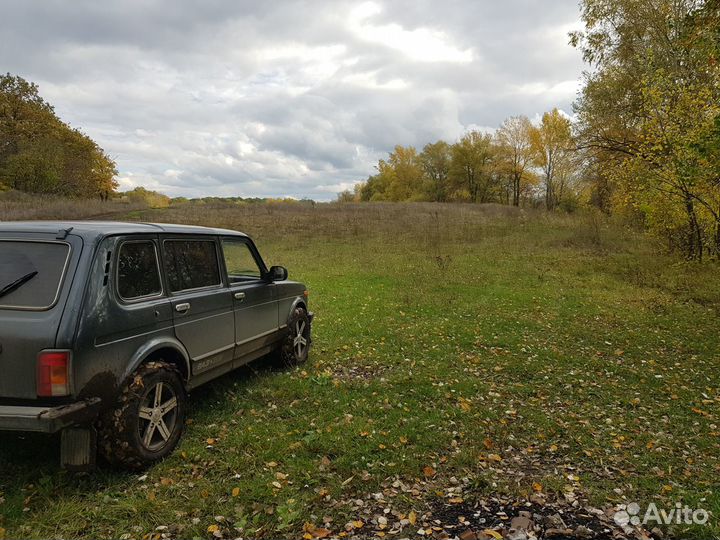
[285, 98]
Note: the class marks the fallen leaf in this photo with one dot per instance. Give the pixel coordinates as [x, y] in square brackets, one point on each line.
[213, 528]
[537, 487]
[358, 524]
[412, 518]
[429, 471]
[277, 485]
[2, 533]
[493, 533]
[236, 492]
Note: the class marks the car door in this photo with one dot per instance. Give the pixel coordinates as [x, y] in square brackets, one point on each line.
[202, 305]
[254, 299]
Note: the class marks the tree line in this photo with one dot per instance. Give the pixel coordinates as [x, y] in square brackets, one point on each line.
[644, 142]
[512, 166]
[39, 153]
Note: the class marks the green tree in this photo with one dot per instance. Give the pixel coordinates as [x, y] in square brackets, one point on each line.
[436, 159]
[471, 169]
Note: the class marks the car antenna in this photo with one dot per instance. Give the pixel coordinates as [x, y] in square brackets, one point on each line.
[62, 233]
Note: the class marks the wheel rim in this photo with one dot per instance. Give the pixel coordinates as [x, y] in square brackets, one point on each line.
[300, 339]
[158, 416]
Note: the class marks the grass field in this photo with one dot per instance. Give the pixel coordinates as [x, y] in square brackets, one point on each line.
[461, 352]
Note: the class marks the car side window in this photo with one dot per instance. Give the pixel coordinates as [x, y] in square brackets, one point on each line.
[191, 264]
[138, 274]
[240, 261]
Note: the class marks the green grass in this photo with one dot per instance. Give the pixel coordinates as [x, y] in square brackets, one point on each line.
[505, 348]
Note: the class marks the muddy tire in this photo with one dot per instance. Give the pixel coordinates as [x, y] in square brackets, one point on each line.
[296, 345]
[148, 419]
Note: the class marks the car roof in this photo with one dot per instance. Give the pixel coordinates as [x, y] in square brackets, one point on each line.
[93, 229]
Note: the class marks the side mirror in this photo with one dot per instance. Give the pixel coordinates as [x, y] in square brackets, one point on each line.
[277, 273]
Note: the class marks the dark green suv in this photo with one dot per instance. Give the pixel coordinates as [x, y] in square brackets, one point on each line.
[105, 327]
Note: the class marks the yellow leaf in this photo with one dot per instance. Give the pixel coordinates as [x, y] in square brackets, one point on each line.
[412, 518]
[211, 441]
[2, 533]
[456, 500]
[494, 457]
[404, 440]
[667, 488]
[358, 524]
[493, 533]
[213, 528]
[277, 485]
[537, 486]
[151, 496]
[235, 492]
[553, 447]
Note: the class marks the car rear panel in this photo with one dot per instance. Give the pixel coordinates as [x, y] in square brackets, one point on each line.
[29, 322]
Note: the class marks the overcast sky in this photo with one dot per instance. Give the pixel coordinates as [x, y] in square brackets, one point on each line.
[284, 98]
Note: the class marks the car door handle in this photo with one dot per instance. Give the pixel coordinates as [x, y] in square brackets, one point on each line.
[182, 308]
[239, 296]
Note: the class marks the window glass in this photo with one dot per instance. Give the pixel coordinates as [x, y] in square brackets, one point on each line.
[239, 261]
[191, 264]
[138, 273]
[31, 273]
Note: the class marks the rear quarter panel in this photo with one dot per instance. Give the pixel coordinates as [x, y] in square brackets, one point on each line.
[112, 335]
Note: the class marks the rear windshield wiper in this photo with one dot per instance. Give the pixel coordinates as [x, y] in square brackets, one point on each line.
[7, 289]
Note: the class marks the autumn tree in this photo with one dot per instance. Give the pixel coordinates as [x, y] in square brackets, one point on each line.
[649, 110]
[40, 153]
[552, 144]
[515, 153]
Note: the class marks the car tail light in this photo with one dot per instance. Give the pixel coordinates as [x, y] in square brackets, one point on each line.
[52, 373]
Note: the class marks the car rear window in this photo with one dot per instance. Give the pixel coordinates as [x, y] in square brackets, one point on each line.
[31, 273]
[138, 270]
[191, 264]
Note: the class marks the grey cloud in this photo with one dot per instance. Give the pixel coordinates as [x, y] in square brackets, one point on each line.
[283, 98]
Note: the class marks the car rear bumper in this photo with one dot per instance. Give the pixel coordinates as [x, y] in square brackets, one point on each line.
[48, 419]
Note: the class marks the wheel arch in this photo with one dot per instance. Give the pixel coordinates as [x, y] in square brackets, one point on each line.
[166, 349]
[298, 302]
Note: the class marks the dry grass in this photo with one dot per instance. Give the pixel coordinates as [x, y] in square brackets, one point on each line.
[17, 206]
